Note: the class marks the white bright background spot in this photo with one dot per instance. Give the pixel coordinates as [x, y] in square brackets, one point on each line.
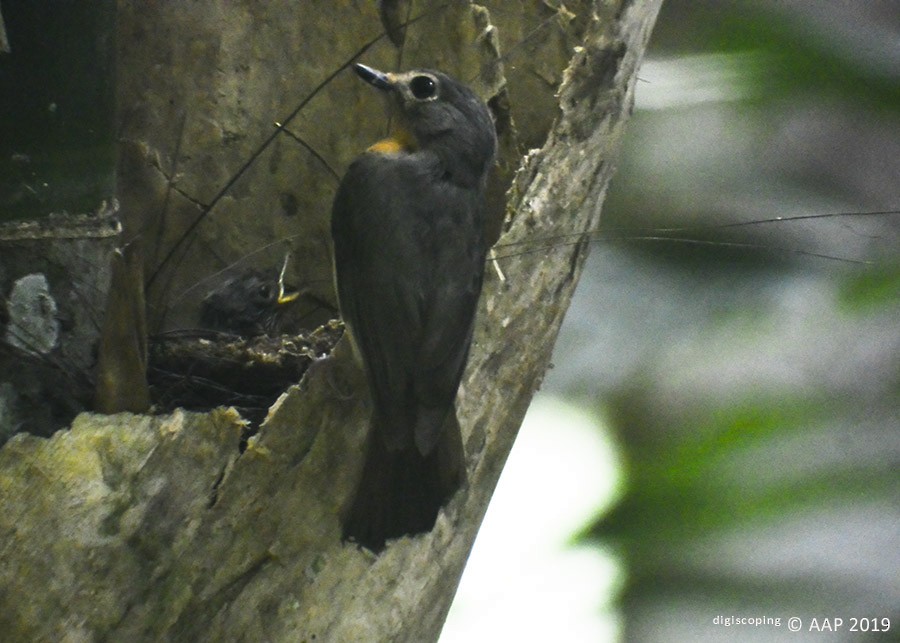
[525, 581]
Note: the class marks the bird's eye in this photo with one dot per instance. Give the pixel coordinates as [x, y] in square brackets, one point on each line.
[264, 292]
[423, 87]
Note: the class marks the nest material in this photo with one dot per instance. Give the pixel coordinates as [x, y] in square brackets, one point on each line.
[202, 371]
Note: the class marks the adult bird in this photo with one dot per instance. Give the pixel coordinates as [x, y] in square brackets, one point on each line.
[409, 251]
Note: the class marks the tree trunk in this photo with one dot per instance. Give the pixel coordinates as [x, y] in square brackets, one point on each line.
[130, 527]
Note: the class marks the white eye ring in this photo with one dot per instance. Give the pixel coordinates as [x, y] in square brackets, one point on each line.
[423, 87]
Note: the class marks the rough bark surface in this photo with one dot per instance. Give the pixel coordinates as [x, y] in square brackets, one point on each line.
[157, 528]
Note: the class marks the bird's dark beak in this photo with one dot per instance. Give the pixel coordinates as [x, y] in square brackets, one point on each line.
[374, 77]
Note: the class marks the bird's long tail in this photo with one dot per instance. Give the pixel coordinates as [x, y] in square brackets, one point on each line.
[401, 491]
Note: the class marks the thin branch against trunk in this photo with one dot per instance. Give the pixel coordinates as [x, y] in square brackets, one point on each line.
[160, 530]
[4, 40]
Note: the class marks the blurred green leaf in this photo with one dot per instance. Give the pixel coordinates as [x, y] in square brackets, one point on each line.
[877, 287]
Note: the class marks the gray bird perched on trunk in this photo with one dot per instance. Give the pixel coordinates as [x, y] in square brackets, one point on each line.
[407, 224]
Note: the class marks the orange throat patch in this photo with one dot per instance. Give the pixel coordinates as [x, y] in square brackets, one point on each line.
[399, 142]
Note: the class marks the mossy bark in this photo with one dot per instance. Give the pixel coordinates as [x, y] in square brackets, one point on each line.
[132, 527]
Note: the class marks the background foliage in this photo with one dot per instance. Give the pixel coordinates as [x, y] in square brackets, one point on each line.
[752, 385]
